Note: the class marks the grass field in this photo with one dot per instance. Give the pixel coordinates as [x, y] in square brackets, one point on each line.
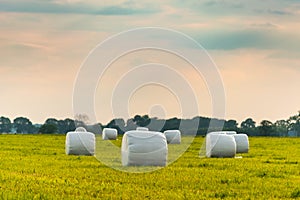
[36, 167]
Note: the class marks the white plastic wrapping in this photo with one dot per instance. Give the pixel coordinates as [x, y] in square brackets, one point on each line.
[142, 129]
[242, 143]
[80, 143]
[144, 148]
[109, 134]
[173, 136]
[220, 145]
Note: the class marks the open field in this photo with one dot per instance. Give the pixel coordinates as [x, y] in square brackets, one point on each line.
[36, 167]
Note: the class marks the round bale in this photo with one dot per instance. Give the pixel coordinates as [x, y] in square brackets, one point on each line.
[220, 145]
[80, 143]
[242, 143]
[144, 148]
[109, 134]
[142, 129]
[173, 136]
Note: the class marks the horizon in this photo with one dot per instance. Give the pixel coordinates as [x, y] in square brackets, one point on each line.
[253, 45]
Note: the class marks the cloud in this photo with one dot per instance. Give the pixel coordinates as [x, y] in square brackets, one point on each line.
[279, 12]
[73, 8]
[248, 38]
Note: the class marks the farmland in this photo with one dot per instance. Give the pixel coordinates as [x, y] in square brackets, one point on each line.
[36, 167]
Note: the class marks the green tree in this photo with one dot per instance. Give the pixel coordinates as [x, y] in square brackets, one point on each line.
[118, 124]
[281, 127]
[66, 125]
[48, 128]
[231, 125]
[248, 127]
[266, 128]
[5, 125]
[142, 120]
[248, 123]
[23, 125]
[294, 123]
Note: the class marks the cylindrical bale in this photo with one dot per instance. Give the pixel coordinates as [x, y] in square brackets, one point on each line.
[109, 134]
[173, 136]
[220, 145]
[242, 143]
[224, 132]
[230, 132]
[144, 148]
[80, 143]
[80, 129]
[142, 129]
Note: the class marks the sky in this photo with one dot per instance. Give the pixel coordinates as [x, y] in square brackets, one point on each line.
[255, 46]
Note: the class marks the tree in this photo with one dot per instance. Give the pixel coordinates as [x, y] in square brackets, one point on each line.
[48, 128]
[23, 125]
[266, 128]
[118, 124]
[294, 123]
[66, 126]
[281, 127]
[5, 125]
[142, 120]
[231, 125]
[248, 123]
[51, 121]
[248, 127]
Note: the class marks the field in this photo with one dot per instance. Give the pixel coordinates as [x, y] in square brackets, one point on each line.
[36, 167]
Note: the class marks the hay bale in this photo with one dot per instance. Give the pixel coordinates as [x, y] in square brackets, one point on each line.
[173, 136]
[242, 143]
[220, 145]
[109, 134]
[144, 148]
[224, 132]
[142, 129]
[80, 143]
[230, 132]
[80, 129]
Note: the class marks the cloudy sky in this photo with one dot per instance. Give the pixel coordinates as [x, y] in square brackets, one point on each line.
[255, 45]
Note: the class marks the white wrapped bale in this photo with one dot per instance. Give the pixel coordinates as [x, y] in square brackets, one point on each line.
[144, 148]
[109, 134]
[220, 145]
[173, 136]
[142, 129]
[230, 132]
[242, 143]
[80, 129]
[224, 132]
[80, 143]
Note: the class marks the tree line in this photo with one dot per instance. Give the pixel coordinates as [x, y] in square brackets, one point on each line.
[199, 125]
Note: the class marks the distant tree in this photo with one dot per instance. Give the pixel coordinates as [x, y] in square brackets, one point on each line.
[118, 124]
[172, 124]
[23, 125]
[67, 125]
[5, 125]
[142, 120]
[281, 127]
[48, 128]
[130, 125]
[294, 123]
[266, 128]
[248, 127]
[248, 123]
[231, 125]
[51, 121]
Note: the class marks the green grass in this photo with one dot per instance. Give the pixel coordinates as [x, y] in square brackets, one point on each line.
[36, 167]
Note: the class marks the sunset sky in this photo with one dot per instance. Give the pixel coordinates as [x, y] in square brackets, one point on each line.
[255, 45]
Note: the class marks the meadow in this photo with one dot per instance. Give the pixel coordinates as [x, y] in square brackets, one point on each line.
[36, 167]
